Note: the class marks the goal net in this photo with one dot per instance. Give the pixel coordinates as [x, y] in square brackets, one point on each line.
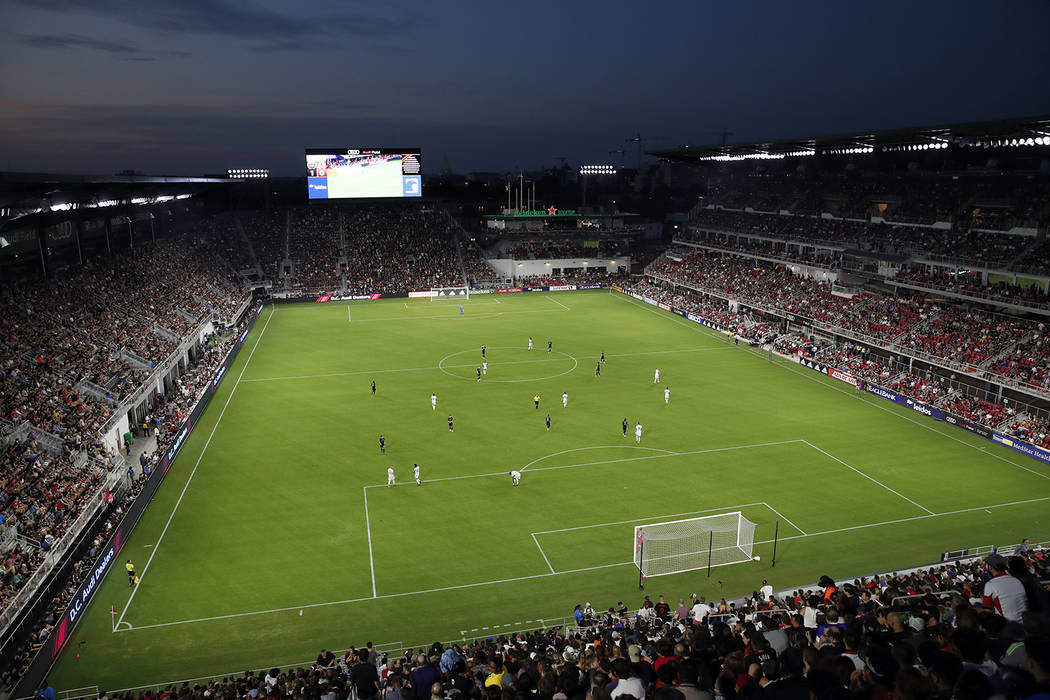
[442, 293]
[686, 545]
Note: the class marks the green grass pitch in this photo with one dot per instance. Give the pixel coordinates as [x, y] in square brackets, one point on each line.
[278, 502]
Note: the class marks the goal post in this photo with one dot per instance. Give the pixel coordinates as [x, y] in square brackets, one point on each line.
[677, 546]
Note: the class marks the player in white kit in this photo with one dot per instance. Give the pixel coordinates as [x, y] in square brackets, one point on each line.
[564, 399]
[484, 367]
[530, 343]
[667, 394]
[656, 376]
[434, 402]
[390, 479]
[515, 477]
[415, 473]
[638, 433]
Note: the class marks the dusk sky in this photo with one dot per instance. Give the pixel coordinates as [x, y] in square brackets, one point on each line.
[193, 86]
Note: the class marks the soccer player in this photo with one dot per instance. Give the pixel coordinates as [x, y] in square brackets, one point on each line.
[638, 433]
[603, 356]
[484, 367]
[530, 342]
[373, 387]
[483, 352]
[564, 399]
[391, 480]
[536, 400]
[479, 373]
[450, 424]
[598, 370]
[382, 445]
[625, 427]
[548, 422]
[548, 346]
[415, 473]
[656, 376]
[667, 394]
[434, 402]
[131, 572]
[515, 477]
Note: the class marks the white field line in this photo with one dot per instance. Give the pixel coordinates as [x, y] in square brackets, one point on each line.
[450, 317]
[704, 330]
[186, 486]
[368, 529]
[872, 479]
[603, 461]
[652, 517]
[783, 517]
[558, 303]
[570, 571]
[542, 553]
[435, 367]
[595, 447]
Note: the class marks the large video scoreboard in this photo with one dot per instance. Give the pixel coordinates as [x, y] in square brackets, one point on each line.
[358, 173]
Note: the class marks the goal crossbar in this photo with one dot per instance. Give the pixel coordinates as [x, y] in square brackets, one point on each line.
[677, 546]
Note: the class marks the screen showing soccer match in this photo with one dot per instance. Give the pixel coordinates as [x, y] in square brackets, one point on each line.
[354, 173]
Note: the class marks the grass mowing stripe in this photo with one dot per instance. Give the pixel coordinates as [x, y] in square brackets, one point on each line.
[189, 479]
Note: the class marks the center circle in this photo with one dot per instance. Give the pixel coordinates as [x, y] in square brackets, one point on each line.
[505, 357]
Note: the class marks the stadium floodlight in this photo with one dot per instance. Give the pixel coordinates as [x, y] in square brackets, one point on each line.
[677, 546]
[597, 170]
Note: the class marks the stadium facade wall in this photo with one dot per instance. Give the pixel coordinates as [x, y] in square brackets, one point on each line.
[509, 267]
[109, 554]
[919, 407]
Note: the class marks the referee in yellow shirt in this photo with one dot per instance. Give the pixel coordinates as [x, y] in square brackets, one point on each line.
[131, 572]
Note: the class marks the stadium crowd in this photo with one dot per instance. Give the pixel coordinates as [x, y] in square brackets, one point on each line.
[972, 340]
[971, 630]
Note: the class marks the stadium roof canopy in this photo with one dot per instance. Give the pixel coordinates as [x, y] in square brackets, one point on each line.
[30, 193]
[1005, 133]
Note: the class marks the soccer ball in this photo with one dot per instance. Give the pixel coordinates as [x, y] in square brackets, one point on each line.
[758, 558]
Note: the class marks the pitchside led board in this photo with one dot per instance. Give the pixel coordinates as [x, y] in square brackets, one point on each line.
[360, 173]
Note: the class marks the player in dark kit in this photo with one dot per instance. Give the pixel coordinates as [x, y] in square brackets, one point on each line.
[548, 422]
[450, 424]
[598, 370]
[603, 356]
[483, 352]
[382, 445]
[479, 374]
[373, 387]
[624, 426]
[548, 346]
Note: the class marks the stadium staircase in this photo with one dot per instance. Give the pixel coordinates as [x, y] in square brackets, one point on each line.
[990, 362]
[89, 388]
[247, 242]
[165, 333]
[136, 361]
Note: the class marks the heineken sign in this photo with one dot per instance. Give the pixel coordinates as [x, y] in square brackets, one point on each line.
[543, 212]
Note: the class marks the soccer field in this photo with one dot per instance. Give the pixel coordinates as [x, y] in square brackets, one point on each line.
[275, 535]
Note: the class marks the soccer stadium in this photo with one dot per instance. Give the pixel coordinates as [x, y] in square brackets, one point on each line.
[751, 420]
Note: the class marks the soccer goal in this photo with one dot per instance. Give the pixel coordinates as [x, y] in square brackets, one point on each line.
[442, 293]
[695, 543]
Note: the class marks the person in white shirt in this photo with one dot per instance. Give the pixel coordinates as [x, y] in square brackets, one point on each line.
[700, 611]
[656, 376]
[530, 343]
[485, 367]
[638, 433]
[434, 402]
[1003, 593]
[390, 480]
[515, 477]
[766, 590]
[415, 473]
[564, 399]
[667, 394]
